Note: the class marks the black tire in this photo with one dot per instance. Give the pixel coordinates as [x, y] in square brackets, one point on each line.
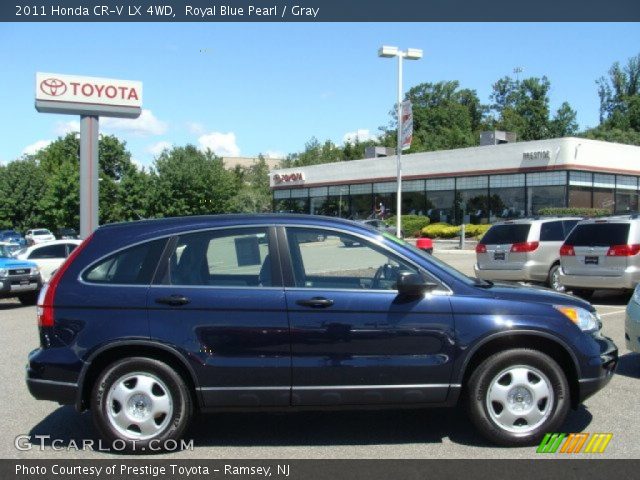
[585, 293]
[173, 425]
[552, 282]
[30, 298]
[477, 391]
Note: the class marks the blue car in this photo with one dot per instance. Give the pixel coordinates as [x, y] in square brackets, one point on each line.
[18, 278]
[149, 322]
[11, 236]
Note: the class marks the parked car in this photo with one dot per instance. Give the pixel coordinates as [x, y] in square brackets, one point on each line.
[48, 256]
[632, 322]
[66, 234]
[150, 321]
[11, 236]
[10, 249]
[526, 250]
[602, 253]
[18, 278]
[38, 235]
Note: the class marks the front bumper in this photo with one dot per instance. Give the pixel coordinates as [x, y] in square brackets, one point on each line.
[600, 369]
[15, 285]
[626, 281]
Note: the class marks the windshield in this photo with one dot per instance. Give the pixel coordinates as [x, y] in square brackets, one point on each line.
[5, 251]
[41, 232]
[430, 258]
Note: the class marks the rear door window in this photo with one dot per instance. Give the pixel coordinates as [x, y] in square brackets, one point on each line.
[599, 235]
[50, 251]
[551, 232]
[133, 266]
[510, 233]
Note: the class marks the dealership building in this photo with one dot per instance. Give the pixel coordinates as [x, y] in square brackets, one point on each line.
[491, 182]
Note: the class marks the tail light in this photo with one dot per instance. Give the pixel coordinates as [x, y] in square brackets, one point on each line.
[45, 310]
[524, 247]
[623, 250]
[567, 251]
[481, 248]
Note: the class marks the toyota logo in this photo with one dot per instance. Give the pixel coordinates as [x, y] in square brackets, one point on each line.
[53, 87]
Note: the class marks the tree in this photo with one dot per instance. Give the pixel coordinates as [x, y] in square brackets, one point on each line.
[522, 106]
[187, 181]
[314, 153]
[444, 117]
[619, 96]
[254, 194]
[22, 185]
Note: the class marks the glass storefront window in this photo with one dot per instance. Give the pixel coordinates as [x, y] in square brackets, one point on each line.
[505, 203]
[361, 206]
[580, 197]
[440, 206]
[545, 196]
[476, 205]
[414, 203]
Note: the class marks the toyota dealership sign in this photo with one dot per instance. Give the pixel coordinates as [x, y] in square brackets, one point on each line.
[58, 93]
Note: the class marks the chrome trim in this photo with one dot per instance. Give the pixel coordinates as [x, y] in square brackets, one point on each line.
[373, 387]
[53, 382]
[224, 389]
[335, 387]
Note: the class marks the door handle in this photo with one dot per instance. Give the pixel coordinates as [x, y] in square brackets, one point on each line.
[316, 302]
[173, 300]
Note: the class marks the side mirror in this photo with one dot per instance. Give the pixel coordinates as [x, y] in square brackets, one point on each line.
[413, 285]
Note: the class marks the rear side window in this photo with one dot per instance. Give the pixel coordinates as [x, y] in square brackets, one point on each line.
[515, 233]
[133, 266]
[50, 251]
[551, 232]
[599, 235]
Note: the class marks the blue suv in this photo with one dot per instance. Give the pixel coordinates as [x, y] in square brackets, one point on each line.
[151, 321]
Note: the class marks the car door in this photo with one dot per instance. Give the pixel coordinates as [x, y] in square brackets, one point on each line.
[221, 302]
[48, 258]
[354, 340]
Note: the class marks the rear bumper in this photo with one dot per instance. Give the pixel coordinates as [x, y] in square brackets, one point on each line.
[600, 371]
[525, 274]
[42, 386]
[626, 281]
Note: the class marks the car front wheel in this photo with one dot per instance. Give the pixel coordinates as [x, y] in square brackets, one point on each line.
[516, 396]
[140, 403]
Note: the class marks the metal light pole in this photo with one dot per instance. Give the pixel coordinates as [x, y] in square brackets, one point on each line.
[409, 54]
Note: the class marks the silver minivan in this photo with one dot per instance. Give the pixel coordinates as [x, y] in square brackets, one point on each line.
[524, 250]
[602, 253]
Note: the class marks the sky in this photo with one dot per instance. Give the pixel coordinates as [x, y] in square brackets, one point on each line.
[245, 89]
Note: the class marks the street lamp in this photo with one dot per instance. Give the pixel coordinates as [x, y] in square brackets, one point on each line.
[410, 54]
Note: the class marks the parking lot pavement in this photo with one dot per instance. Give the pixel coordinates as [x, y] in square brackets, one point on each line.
[439, 433]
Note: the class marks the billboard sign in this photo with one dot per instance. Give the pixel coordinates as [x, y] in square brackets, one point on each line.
[407, 125]
[58, 93]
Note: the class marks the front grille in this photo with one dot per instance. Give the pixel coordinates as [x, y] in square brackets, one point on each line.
[19, 271]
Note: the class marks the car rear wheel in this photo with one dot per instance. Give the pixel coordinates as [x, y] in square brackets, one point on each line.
[553, 281]
[516, 396]
[140, 403]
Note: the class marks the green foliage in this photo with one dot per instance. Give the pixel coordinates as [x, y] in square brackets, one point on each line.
[440, 230]
[22, 184]
[574, 212]
[475, 231]
[253, 193]
[187, 181]
[410, 223]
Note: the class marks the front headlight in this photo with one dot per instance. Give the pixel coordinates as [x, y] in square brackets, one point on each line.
[584, 319]
[35, 270]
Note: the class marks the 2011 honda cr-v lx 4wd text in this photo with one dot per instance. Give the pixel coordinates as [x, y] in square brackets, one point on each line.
[151, 321]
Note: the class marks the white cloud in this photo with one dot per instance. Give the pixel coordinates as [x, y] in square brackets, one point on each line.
[62, 128]
[145, 125]
[157, 148]
[222, 144]
[362, 134]
[274, 154]
[196, 128]
[34, 147]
